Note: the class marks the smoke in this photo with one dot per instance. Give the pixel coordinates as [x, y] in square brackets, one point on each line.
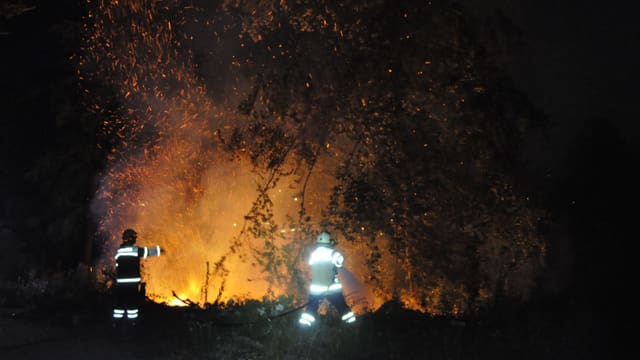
[357, 294]
[168, 176]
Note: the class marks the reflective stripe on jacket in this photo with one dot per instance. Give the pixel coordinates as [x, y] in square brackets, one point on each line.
[324, 263]
[128, 262]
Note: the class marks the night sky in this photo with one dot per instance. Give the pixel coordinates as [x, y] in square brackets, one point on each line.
[577, 62]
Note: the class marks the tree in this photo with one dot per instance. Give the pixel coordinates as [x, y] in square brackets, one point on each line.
[409, 122]
[427, 130]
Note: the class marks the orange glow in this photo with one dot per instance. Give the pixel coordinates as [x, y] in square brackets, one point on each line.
[170, 180]
[176, 187]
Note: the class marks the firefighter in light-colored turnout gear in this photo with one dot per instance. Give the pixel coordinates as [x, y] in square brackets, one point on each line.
[325, 262]
[127, 289]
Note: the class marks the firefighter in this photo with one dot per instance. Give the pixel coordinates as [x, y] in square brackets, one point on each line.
[325, 262]
[128, 293]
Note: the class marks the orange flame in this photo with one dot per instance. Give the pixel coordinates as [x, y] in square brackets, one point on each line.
[168, 178]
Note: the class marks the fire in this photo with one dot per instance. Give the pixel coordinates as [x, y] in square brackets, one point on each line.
[168, 176]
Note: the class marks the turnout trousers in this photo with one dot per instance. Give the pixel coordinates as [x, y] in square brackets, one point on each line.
[336, 299]
[127, 299]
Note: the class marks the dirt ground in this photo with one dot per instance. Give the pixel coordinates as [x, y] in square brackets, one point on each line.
[25, 339]
[390, 333]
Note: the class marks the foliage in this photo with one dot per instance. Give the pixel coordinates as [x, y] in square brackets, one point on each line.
[429, 132]
[241, 331]
[420, 120]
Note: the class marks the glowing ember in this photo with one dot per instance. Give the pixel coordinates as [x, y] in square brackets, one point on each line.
[230, 229]
[168, 177]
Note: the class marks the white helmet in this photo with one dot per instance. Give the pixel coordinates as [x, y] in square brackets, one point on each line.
[324, 238]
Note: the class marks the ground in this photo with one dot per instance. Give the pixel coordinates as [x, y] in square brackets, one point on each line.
[254, 331]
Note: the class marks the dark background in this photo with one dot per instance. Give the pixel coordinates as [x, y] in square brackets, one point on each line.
[576, 60]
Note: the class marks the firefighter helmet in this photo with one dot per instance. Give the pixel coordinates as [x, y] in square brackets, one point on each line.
[324, 238]
[129, 235]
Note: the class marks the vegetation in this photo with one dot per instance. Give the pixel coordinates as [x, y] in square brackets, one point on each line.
[404, 97]
[426, 130]
[429, 132]
[268, 330]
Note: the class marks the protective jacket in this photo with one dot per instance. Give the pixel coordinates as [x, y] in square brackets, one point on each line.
[324, 262]
[128, 262]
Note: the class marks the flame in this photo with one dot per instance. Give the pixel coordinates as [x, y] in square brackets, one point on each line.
[169, 177]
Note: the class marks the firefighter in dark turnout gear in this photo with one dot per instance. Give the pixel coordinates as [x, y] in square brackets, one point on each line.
[127, 289]
[325, 262]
